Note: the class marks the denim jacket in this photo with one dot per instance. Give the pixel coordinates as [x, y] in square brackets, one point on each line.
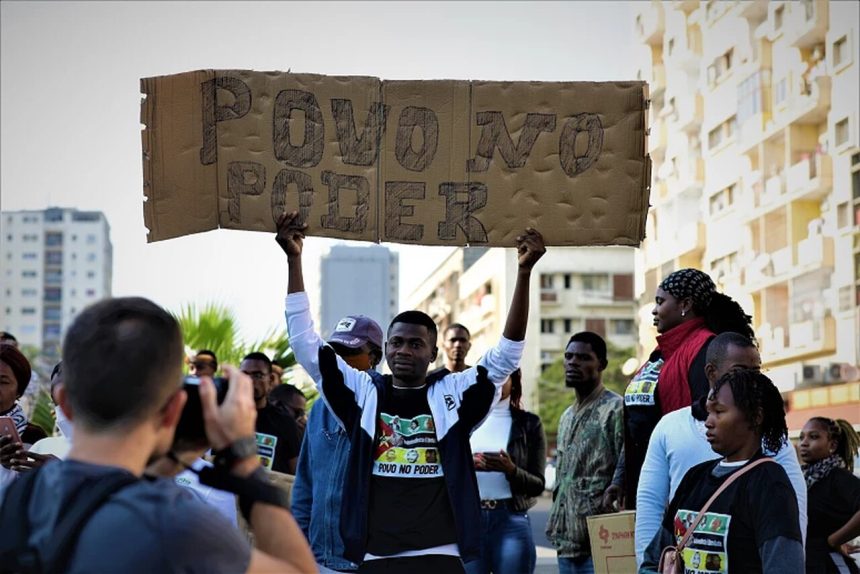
[318, 489]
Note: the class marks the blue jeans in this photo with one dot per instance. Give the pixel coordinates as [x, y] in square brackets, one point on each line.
[575, 565]
[507, 546]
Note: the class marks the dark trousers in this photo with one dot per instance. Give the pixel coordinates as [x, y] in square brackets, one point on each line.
[429, 564]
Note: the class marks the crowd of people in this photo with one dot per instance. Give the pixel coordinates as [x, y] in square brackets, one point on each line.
[418, 470]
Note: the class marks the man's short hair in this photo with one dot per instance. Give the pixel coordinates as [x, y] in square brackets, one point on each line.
[21, 370]
[416, 318]
[7, 337]
[598, 345]
[286, 392]
[122, 359]
[458, 326]
[258, 356]
[208, 353]
[718, 349]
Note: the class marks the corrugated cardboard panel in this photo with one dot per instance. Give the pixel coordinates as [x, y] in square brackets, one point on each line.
[423, 168]
[567, 158]
[289, 151]
[180, 191]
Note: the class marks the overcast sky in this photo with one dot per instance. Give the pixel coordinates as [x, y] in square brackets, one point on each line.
[70, 106]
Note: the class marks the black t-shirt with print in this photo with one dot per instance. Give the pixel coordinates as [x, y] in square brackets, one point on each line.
[409, 504]
[830, 503]
[759, 506]
[278, 438]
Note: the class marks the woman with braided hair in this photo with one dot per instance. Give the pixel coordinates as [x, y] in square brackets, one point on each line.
[753, 525]
[688, 312]
[827, 450]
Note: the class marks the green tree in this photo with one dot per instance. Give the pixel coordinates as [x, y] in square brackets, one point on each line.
[554, 397]
[213, 326]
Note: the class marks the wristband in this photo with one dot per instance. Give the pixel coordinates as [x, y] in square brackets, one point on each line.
[251, 490]
[234, 452]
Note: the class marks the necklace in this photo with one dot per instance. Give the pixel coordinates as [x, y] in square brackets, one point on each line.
[408, 388]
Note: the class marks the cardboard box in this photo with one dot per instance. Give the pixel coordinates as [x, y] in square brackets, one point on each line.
[435, 162]
[612, 546]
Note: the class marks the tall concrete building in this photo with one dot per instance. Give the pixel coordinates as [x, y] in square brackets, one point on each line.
[572, 289]
[55, 262]
[754, 138]
[358, 280]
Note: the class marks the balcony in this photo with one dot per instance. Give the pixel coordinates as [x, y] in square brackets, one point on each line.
[807, 24]
[685, 6]
[767, 269]
[812, 175]
[753, 10]
[812, 101]
[690, 112]
[804, 340]
[650, 25]
[814, 252]
[549, 296]
[774, 188]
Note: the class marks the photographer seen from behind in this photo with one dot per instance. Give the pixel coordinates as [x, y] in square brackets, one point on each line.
[123, 394]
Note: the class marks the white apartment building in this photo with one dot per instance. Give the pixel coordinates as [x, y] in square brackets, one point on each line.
[358, 280]
[572, 289]
[54, 263]
[754, 138]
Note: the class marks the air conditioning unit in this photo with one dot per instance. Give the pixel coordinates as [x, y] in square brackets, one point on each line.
[811, 373]
[834, 373]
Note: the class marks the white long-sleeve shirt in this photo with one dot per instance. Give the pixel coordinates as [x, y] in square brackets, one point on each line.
[677, 444]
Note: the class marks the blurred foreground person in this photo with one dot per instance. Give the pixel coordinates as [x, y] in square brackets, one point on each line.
[827, 449]
[752, 526]
[122, 361]
[509, 450]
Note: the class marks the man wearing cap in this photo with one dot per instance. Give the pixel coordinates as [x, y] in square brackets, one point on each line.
[318, 489]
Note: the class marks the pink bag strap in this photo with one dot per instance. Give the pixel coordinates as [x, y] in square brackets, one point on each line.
[714, 496]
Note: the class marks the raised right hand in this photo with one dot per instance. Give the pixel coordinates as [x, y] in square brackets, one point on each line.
[291, 233]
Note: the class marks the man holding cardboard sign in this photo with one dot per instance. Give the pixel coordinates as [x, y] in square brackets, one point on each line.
[411, 500]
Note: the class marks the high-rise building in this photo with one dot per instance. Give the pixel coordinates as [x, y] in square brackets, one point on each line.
[55, 262]
[358, 280]
[754, 138]
[573, 289]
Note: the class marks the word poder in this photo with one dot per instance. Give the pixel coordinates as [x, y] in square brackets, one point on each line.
[440, 162]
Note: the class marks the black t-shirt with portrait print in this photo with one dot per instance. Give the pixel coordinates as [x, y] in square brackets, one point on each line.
[831, 502]
[758, 507]
[278, 438]
[409, 504]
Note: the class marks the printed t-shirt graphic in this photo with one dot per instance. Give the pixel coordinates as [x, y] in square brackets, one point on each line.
[266, 445]
[406, 448]
[706, 552]
[409, 504]
[643, 387]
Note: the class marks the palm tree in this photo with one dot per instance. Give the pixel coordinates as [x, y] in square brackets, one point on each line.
[213, 326]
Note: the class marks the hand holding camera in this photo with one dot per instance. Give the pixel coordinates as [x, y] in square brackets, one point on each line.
[236, 417]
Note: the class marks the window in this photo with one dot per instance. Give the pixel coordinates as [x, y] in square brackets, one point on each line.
[54, 257]
[29, 256]
[29, 292]
[567, 280]
[53, 294]
[778, 18]
[622, 326]
[53, 277]
[750, 95]
[31, 219]
[780, 93]
[28, 274]
[568, 325]
[91, 292]
[841, 131]
[595, 282]
[722, 132]
[91, 239]
[546, 281]
[720, 67]
[30, 237]
[28, 310]
[670, 46]
[722, 200]
[52, 314]
[53, 239]
[547, 326]
[91, 274]
[840, 51]
[91, 257]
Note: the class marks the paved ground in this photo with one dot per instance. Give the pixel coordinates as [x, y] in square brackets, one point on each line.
[546, 562]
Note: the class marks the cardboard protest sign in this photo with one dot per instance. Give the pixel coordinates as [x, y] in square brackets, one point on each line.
[438, 162]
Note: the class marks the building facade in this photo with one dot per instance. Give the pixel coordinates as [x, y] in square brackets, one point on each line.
[754, 138]
[358, 280]
[573, 289]
[55, 262]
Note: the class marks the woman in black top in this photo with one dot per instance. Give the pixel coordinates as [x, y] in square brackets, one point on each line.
[753, 525]
[827, 450]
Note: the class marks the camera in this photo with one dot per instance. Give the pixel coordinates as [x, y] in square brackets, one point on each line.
[191, 431]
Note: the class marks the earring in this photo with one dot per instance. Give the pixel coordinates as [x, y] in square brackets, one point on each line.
[683, 313]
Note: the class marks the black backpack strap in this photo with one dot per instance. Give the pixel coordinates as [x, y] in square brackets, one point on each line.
[16, 555]
[85, 502]
[14, 552]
